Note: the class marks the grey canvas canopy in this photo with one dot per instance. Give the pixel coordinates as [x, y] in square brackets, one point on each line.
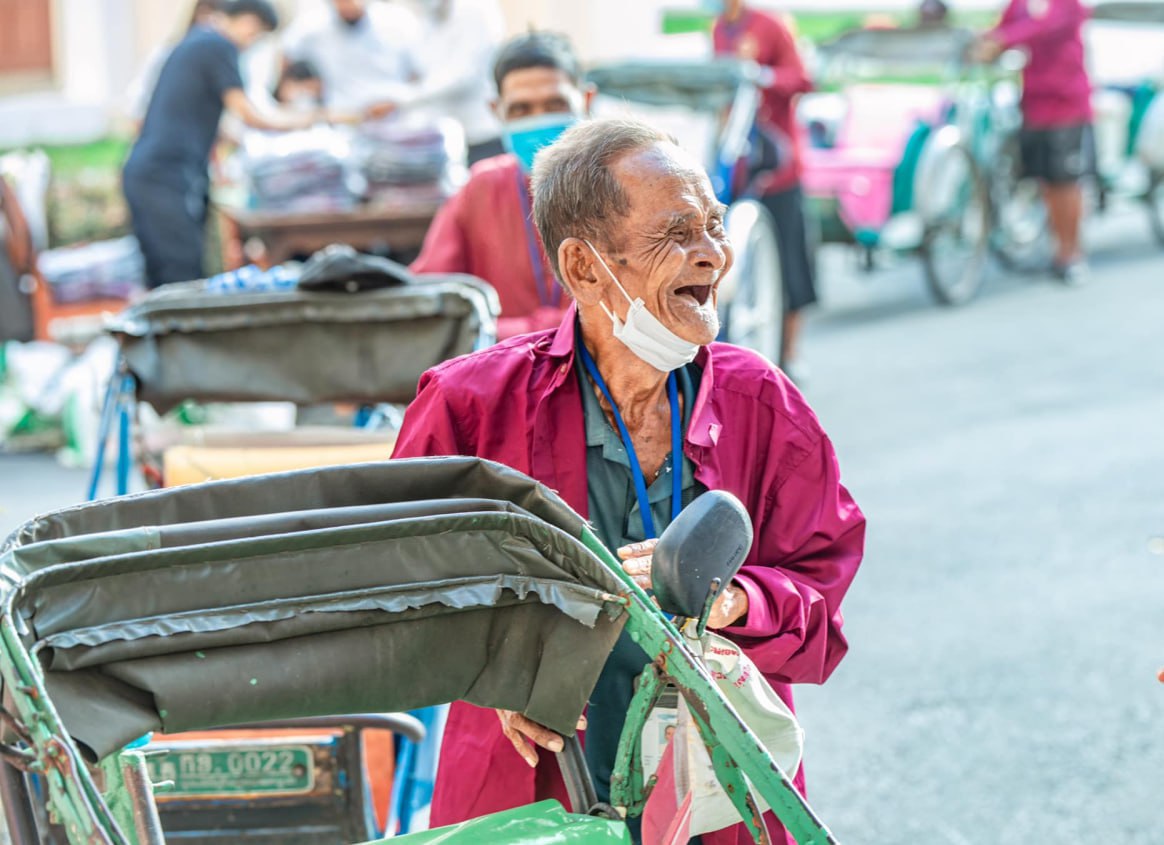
[368, 588]
[185, 342]
[698, 85]
[1130, 11]
[926, 46]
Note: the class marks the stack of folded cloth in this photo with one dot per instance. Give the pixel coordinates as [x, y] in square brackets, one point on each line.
[302, 172]
[413, 159]
[101, 270]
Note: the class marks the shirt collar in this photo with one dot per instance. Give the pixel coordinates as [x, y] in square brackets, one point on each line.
[705, 426]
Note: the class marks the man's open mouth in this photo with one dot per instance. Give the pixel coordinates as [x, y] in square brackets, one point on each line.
[700, 293]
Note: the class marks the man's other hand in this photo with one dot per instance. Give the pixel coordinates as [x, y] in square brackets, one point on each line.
[521, 730]
[730, 607]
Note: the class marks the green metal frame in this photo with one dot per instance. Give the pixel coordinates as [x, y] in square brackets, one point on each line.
[111, 815]
[735, 749]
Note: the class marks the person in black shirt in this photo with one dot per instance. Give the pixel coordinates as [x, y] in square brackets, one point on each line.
[166, 178]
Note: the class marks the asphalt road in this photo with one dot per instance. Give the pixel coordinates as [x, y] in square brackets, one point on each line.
[1008, 622]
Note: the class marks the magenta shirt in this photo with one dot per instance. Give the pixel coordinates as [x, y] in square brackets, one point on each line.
[751, 433]
[1056, 87]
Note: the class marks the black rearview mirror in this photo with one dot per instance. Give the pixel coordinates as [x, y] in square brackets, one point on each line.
[699, 553]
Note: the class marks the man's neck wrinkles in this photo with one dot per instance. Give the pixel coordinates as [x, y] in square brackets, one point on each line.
[636, 387]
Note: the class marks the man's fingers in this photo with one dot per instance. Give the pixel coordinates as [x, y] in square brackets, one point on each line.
[540, 734]
[638, 549]
[637, 566]
[519, 743]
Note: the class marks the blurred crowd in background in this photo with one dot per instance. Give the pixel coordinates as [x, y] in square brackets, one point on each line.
[380, 107]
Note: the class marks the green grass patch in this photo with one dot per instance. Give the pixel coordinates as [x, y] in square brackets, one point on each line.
[106, 154]
[819, 26]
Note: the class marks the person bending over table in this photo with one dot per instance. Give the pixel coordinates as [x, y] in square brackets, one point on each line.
[166, 178]
[486, 228]
[591, 408]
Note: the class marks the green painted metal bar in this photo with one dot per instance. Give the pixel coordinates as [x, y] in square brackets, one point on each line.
[732, 779]
[628, 791]
[658, 637]
[73, 799]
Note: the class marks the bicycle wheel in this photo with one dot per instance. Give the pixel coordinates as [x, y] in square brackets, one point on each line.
[954, 245]
[1020, 238]
[1155, 199]
[752, 295]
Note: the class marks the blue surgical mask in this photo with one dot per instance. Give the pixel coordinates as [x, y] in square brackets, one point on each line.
[526, 135]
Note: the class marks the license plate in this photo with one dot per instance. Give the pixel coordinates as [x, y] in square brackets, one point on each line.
[238, 770]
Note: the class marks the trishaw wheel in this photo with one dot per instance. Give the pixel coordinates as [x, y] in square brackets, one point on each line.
[1156, 206]
[754, 316]
[955, 243]
[1020, 238]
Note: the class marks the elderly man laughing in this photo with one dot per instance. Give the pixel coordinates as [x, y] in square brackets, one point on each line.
[593, 408]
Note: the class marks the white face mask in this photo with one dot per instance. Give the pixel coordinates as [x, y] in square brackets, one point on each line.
[644, 335]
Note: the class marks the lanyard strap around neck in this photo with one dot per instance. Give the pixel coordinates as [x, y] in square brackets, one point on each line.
[549, 293]
[640, 481]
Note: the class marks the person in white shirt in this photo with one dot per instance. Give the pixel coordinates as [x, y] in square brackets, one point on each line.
[459, 39]
[363, 50]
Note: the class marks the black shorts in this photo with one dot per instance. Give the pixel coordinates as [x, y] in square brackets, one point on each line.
[796, 265]
[1059, 156]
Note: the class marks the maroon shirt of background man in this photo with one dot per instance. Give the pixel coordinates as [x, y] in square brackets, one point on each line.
[751, 433]
[765, 39]
[1056, 88]
[484, 230]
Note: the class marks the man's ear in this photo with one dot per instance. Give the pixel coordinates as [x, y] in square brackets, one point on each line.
[581, 274]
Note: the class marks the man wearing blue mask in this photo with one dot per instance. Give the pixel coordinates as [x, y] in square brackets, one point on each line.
[486, 228]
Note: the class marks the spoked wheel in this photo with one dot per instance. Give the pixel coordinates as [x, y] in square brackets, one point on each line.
[954, 246]
[1019, 236]
[1155, 198]
[752, 295]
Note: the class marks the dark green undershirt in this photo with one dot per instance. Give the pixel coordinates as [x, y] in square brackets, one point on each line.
[617, 520]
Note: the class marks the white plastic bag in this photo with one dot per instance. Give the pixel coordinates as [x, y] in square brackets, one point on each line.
[761, 709]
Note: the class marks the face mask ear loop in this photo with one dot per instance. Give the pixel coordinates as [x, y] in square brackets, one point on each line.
[613, 278]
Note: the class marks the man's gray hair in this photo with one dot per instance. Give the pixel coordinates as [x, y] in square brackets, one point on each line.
[574, 192]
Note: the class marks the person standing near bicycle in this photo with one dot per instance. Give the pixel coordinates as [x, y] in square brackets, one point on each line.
[764, 38]
[1057, 143]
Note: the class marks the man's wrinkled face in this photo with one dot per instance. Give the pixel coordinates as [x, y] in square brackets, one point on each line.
[671, 248]
[534, 91]
[350, 12]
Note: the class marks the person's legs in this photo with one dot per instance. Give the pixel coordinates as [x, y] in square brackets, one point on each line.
[168, 228]
[796, 269]
[1065, 212]
[1060, 157]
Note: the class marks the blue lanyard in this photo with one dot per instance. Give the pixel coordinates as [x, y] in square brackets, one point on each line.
[636, 471]
[549, 293]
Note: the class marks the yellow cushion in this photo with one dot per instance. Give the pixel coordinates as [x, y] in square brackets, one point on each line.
[190, 464]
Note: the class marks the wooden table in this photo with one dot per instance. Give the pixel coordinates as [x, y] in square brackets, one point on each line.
[399, 228]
